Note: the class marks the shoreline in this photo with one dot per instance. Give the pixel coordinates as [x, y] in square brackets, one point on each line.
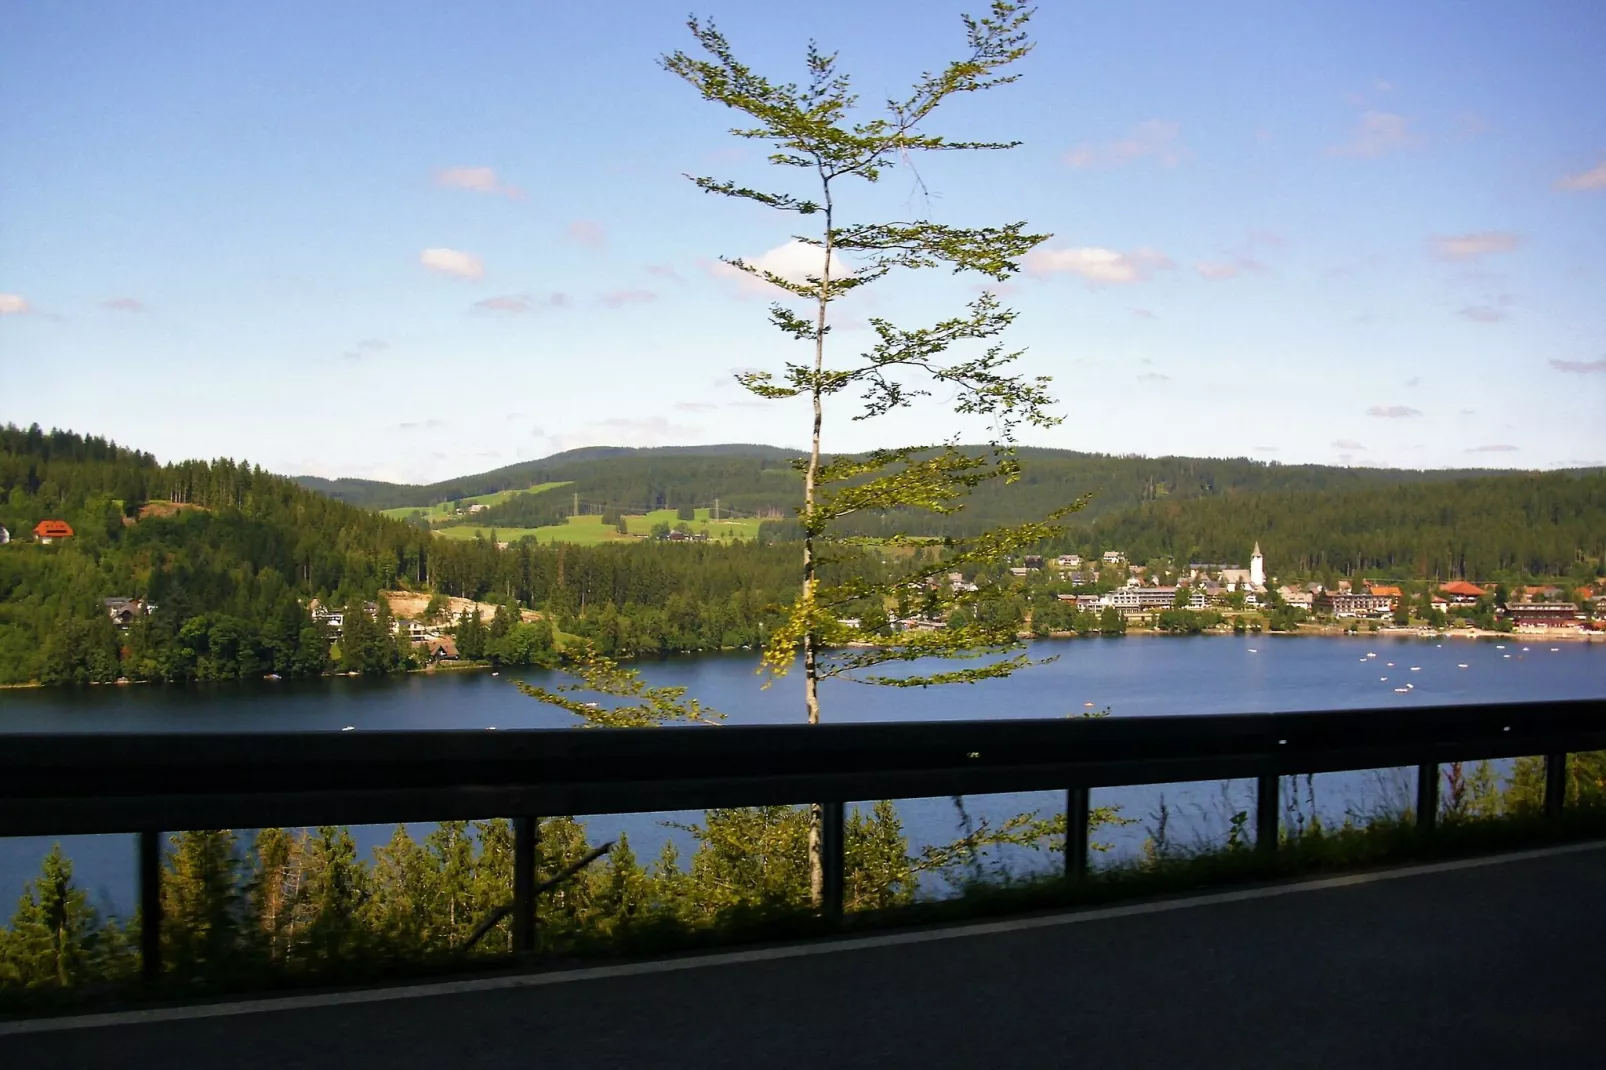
[1559, 635]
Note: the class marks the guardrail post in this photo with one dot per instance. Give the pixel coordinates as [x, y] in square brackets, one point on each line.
[150, 907]
[1267, 807]
[1076, 807]
[832, 858]
[525, 830]
[1427, 795]
[1555, 785]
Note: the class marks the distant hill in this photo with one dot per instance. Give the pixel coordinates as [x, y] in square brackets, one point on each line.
[755, 480]
[657, 477]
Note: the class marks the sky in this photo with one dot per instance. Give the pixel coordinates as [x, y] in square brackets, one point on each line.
[409, 241]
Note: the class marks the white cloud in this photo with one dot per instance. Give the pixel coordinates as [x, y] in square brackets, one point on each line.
[477, 179]
[1379, 132]
[1592, 179]
[795, 262]
[1580, 367]
[13, 305]
[1348, 444]
[1496, 448]
[586, 232]
[1474, 246]
[1098, 266]
[1156, 138]
[1393, 412]
[453, 262]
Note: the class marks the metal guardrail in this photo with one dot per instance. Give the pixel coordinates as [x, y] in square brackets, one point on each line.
[69, 784]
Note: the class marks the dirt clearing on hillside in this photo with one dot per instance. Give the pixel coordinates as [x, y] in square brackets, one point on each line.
[411, 605]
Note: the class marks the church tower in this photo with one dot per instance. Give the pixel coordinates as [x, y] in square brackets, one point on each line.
[1257, 567]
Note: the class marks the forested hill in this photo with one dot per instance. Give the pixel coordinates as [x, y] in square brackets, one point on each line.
[1534, 524]
[761, 480]
[663, 477]
[227, 551]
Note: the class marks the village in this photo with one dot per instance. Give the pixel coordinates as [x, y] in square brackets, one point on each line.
[1142, 593]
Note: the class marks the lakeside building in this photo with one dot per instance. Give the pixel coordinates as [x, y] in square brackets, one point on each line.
[49, 531]
[1346, 604]
[1542, 616]
[1379, 590]
[1298, 598]
[124, 610]
[1257, 568]
[1461, 593]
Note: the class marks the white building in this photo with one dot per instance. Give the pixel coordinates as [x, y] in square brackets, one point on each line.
[1257, 569]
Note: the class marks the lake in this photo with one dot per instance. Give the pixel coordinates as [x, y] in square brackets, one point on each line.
[1133, 676]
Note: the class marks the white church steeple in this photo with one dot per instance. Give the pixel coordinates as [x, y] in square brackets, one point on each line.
[1257, 567]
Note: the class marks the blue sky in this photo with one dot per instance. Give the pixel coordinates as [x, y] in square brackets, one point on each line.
[408, 241]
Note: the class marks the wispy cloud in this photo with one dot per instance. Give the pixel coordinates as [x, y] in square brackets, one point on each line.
[1153, 377]
[663, 271]
[1484, 313]
[1156, 138]
[478, 180]
[1144, 313]
[518, 304]
[1581, 367]
[453, 262]
[13, 305]
[1348, 444]
[421, 425]
[695, 406]
[1100, 267]
[586, 232]
[1377, 133]
[1393, 412]
[624, 431]
[123, 304]
[373, 345]
[1217, 270]
[1474, 246]
[1592, 179]
[1499, 447]
[621, 298]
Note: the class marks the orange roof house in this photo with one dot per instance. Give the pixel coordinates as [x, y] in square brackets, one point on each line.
[51, 530]
[1377, 591]
[1462, 589]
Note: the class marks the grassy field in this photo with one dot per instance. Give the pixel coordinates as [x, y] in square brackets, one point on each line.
[723, 531]
[591, 531]
[444, 510]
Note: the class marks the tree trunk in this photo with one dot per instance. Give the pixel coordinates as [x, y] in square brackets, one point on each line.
[811, 677]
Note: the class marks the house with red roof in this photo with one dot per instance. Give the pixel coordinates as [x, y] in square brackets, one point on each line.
[48, 531]
[1461, 592]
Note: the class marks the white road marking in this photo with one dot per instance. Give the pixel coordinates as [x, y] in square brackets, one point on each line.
[768, 954]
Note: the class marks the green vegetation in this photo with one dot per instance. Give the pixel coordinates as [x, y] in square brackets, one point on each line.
[440, 512]
[288, 906]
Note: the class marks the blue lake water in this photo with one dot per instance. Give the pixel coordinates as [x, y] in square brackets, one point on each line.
[1131, 676]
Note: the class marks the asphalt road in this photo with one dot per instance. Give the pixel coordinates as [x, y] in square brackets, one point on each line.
[1495, 966]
